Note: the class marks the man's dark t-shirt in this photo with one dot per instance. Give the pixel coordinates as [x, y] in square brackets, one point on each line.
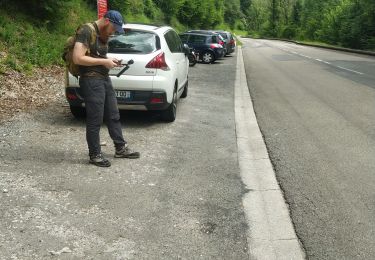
[97, 48]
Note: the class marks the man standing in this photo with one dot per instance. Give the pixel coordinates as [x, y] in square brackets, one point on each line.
[90, 53]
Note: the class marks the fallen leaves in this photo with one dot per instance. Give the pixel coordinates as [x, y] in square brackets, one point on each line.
[20, 92]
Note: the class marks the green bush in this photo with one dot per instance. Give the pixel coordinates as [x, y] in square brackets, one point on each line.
[288, 32]
[370, 44]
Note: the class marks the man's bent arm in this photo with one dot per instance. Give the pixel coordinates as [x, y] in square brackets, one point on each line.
[80, 58]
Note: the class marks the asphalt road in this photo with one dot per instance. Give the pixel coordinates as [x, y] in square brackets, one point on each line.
[181, 200]
[316, 110]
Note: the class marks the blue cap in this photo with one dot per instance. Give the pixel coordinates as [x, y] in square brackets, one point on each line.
[116, 19]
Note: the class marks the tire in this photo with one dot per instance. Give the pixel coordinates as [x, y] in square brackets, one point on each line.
[78, 112]
[208, 57]
[192, 60]
[185, 92]
[169, 115]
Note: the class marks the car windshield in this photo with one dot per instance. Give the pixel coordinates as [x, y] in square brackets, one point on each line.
[133, 41]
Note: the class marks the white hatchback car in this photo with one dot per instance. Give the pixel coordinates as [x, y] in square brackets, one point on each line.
[155, 81]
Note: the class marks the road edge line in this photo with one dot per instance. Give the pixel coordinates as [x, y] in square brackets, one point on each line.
[271, 234]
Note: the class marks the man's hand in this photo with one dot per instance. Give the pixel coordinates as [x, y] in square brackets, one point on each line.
[110, 63]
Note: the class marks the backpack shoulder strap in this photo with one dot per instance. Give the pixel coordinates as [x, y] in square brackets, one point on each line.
[93, 26]
[94, 31]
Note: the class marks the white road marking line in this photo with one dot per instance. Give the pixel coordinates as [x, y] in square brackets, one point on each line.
[326, 62]
[350, 70]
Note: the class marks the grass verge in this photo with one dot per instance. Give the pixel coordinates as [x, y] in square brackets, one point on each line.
[26, 43]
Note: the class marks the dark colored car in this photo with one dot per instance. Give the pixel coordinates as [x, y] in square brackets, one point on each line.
[206, 45]
[221, 39]
[229, 39]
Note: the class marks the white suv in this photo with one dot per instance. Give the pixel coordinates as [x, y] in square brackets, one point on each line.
[155, 81]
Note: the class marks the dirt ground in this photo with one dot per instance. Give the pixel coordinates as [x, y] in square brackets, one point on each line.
[20, 92]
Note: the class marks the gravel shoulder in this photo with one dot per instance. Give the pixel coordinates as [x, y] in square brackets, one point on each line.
[181, 200]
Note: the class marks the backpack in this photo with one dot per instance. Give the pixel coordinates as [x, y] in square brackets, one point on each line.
[67, 54]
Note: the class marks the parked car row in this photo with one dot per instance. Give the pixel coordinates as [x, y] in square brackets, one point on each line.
[157, 75]
[208, 44]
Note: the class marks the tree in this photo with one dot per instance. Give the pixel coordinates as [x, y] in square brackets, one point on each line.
[274, 17]
[296, 13]
[232, 12]
[169, 7]
[42, 10]
[245, 6]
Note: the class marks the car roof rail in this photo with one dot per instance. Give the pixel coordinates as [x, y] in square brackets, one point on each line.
[206, 32]
[203, 31]
[196, 33]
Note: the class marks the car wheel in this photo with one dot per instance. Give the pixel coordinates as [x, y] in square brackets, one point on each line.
[185, 92]
[169, 115]
[207, 57]
[192, 60]
[78, 112]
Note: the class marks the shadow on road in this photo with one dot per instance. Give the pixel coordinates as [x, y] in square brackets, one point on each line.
[133, 119]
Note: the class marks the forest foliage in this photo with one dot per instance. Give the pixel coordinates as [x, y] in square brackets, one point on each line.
[33, 32]
[348, 23]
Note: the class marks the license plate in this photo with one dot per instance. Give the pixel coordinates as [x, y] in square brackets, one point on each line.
[123, 95]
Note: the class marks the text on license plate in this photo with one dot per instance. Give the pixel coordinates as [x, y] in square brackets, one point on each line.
[123, 94]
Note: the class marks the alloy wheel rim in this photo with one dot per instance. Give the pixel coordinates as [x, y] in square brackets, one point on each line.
[207, 57]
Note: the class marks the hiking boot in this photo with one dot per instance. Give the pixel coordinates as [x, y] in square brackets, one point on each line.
[99, 160]
[126, 152]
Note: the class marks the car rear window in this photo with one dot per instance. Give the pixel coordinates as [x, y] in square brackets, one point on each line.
[197, 39]
[221, 37]
[215, 39]
[133, 41]
[224, 35]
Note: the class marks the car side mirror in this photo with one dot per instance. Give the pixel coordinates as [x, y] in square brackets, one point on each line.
[186, 49]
